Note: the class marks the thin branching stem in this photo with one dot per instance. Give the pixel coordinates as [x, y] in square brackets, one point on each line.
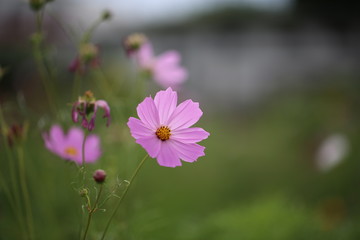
[91, 212]
[44, 72]
[123, 195]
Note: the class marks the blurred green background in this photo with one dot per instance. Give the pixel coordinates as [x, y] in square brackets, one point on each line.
[274, 85]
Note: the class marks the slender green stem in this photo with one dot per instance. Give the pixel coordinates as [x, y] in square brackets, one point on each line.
[123, 195]
[25, 191]
[106, 79]
[82, 175]
[15, 199]
[87, 35]
[83, 149]
[77, 84]
[43, 70]
[83, 160]
[69, 34]
[91, 212]
[38, 22]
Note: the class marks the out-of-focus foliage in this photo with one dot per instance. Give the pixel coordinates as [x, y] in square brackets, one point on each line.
[258, 180]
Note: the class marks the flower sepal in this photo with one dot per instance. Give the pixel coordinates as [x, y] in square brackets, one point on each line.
[86, 107]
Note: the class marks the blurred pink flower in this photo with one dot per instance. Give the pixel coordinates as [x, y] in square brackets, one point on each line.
[165, 68]
[69, 146]
[88, 57]
[164, 129]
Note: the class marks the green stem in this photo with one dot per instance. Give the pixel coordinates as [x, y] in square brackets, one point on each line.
[43, 71]
[82, 169]
[83, 149]
[77, 84]
[92, 210]
[123, 195]
[15, 199]
[25, 191]
[38, 22]
[89, 32]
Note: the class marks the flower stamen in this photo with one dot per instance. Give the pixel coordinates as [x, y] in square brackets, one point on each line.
[71, 151]
[163, 133]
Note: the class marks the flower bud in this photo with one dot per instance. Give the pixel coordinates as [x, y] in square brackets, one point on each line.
[133, 42]
[16, 134]
[99, 176]
[106, 15]
[36, 5]
[86, 107]
[88, 52]
[83, 192]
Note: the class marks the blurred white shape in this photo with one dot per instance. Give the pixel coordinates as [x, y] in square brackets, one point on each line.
[332, 151]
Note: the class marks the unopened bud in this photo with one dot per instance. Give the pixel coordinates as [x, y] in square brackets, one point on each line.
[83, 192]
[133, 42]
[99, 176]
[88, 52]
[16, 134]
[106, 15]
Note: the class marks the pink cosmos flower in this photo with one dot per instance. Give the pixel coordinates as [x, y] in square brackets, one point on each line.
[69, 146]
[165, 68]
[164, 129]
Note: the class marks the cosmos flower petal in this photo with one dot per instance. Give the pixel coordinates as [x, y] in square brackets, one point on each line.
[75, 137]
[145, 55]
[188, 152]
[185, 115]
[104, 105]
[168, 156]
[165, 102]
[151, 144]
[169, 58]
[148, 113]
[138, 129]
[189, 135]
[167, 71]
[49, 143]
[170, 77]
[56, 137]
[92, 148]
[74, 112]
[75, 65]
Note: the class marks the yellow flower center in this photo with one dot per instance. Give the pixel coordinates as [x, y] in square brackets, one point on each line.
[71, 151]
[163, 133]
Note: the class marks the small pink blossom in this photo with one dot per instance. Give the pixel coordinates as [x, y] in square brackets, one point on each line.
[87, 105]
[69, 146]
[163, 129]
[165, 68]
